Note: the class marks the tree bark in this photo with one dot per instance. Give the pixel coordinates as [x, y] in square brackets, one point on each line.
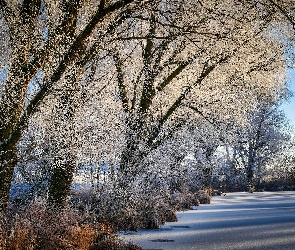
[64, 158]
[60, 181]
[135, 148]
[8, 160]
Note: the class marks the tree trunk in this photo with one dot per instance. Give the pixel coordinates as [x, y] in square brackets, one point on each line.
[8, 161]
[130, 145]
[208, 170]
[130, 164]
[64, 158]
[251, 165]
[134, 152]
[207, 176]
[60, 182]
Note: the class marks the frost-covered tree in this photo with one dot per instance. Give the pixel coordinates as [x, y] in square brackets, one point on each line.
[265, 138]
[258, 145]
[222, 59]
[45, 38]
[158, 57]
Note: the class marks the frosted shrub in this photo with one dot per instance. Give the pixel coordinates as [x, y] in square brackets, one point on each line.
[204, 196]
[37, 226]
[137, 205]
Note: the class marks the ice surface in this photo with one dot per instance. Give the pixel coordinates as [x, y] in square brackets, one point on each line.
[235, 221]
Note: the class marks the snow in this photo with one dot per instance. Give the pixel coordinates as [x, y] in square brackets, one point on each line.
[235, 221]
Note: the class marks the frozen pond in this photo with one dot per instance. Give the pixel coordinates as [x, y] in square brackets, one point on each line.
[235, 221]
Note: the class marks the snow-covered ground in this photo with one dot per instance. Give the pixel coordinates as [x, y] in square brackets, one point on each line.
[235, 221]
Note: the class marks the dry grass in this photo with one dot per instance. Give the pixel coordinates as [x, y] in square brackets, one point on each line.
[185, 200]
[92, 225]
[204, 196]
[36, 227]
[131, 213]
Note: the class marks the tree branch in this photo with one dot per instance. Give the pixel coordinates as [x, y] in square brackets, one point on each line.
[91, 53]
[284, 12]
[148, 88]
[205, 72]
[175, 73]
[120, 78]
[201, 114]
[101, 5]
[30, 10]
[73, 52]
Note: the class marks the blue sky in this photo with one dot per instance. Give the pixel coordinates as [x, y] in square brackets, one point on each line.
[289, 107]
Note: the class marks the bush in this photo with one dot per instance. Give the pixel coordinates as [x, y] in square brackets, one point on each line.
[204, 196]
[113, 244]
[125, 209]
[37, 227]
[185, 200]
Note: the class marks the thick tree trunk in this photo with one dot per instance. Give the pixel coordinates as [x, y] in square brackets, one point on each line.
[8, 161]
[136, 145]
[63, 167]
[135, 150]
[60, 182]
[130, 157]
[131, 162]
[64, 160]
